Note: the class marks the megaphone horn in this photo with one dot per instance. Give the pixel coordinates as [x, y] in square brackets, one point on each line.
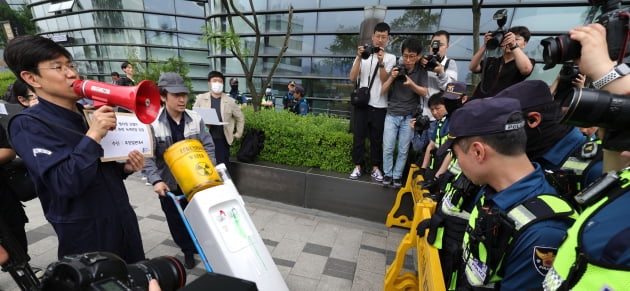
[143, 99]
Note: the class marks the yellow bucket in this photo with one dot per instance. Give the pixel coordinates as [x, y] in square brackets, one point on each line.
[191, 167]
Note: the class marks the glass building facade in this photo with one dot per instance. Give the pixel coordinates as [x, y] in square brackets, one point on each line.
[101, 34]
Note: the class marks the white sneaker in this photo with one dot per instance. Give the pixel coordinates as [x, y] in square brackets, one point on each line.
[356, 173]
[377, 175]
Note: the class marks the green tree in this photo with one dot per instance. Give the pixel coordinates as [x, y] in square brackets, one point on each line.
[153, 69]
[20, 20]
[226, 38]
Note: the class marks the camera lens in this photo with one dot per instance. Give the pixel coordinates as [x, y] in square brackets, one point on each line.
[590, 107]
[367, 51]
[559, 49]
[495, 41]
[167, 270]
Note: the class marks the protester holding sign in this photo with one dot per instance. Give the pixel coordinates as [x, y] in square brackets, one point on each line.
[83, 198]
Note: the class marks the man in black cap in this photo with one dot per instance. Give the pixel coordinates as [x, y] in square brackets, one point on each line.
[174, 123]
[549, 142]
[517, 221]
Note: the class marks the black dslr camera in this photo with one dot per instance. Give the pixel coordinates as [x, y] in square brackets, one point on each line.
[106, 271]
[402, 72]
[562, 48]
[434, 59]
[368, 50]
[497, 36]
[422, 121]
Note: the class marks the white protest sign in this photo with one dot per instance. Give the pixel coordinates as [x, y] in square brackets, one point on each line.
[130, 134]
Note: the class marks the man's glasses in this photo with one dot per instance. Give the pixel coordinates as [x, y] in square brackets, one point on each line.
[63, 68]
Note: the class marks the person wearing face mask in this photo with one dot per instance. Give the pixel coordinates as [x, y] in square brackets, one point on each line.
[228, 111]
[235, 93]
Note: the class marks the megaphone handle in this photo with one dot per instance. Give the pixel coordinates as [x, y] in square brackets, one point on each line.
[178, 205]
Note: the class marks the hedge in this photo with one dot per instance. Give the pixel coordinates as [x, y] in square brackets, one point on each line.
[310, 141]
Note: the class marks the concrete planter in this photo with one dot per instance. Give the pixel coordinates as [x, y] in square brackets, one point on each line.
[313, 188]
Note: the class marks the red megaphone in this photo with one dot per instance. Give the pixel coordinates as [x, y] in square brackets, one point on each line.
[143, 99]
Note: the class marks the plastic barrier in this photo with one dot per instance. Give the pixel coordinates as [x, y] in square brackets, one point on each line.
[411, 188]
[429, 268]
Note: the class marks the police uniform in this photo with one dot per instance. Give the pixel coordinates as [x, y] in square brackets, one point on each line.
[596, 252]
[512, 235]
[83, 198]
[525, 261]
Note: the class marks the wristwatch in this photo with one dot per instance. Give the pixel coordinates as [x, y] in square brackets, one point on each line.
[514, 47]
[381, 65]
[617, 72]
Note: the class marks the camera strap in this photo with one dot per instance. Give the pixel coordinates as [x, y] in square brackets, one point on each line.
[373, 76]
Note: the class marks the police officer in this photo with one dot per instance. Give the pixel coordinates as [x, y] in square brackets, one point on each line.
[517, 221]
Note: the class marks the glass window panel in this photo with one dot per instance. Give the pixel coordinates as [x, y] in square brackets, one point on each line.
[132, 19]
[331, 67]
[413, 20]
[103, 4]
[337, 3]
[461, 46]
[550, 18]
[133, 4]
[161, 54]
[194, 56]
[284, 4]
[241, 27]
[84, 36]
[546, 75]
[190, 24]
[39, 11]
[166, 6]
[341, 44]
[191, 8]
[191, 40]
[64, 24]
[413, 2]
[84, 21]
[112, 18]
[161, 38]
[461, 20]
[200, 85]
[50, 25]
[85, 4]
[336, 21]
[161, 22]
[199, 71]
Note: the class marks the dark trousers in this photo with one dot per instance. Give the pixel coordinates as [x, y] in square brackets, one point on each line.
[176, 224]
[221, 151]
[368, 123]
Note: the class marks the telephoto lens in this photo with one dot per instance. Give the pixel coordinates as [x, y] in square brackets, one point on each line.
[590, 107]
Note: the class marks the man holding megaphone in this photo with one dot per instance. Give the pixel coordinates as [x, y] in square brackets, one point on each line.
[83, 198]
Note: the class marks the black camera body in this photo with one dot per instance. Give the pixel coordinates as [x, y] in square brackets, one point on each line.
[402, 72]
[562, 48]
[422, 121]
[434, 59]
[107, 271]
[497, 36]
[368, 50]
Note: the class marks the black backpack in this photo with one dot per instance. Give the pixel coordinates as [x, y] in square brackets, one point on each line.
[252, 144]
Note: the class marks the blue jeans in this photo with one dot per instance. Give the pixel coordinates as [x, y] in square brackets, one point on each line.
[396, 127]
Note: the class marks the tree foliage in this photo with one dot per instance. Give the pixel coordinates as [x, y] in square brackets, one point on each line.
[226, 38]
[153, 69]
[20, 20]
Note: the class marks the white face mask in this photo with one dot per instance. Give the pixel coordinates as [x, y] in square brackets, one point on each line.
[217, 88]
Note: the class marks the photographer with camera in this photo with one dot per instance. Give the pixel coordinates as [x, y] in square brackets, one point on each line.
[599, 238]
[407, 86]
[371, 67]
[442, 70]
[498, 73]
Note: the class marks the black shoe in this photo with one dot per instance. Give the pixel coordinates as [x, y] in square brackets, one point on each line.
[189, 261]
[387, 180]
[397, 183]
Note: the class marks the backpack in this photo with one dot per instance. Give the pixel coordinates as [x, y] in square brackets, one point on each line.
[252, 144]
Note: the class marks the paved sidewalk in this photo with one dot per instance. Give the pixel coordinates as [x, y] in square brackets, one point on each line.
[314, 250]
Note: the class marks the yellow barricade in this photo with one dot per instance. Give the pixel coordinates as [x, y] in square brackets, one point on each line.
[429, 268]
[411, 188]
